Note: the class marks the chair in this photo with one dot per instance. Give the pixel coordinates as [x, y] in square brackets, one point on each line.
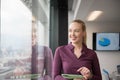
[106, 74]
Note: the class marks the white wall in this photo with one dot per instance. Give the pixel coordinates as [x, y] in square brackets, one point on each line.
[108, 59]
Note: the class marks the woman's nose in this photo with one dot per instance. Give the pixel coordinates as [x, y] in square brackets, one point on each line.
[72, 33]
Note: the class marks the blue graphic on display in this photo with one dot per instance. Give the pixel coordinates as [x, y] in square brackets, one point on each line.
[104, 42]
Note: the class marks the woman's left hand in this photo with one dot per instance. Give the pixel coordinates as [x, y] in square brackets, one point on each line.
[85, 72]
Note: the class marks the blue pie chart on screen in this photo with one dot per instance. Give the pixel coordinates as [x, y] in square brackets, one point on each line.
[104, 42]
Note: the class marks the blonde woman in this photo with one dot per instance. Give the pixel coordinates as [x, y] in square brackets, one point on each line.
[76, 58]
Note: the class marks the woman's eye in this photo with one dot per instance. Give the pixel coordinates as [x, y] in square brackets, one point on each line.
[76, 30]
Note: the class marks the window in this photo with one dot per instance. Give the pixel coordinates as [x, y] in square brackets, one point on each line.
[17, 25]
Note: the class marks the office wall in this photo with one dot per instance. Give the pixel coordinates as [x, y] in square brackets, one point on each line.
[107, 59]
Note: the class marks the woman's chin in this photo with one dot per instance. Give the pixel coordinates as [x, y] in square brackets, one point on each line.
[74, 42]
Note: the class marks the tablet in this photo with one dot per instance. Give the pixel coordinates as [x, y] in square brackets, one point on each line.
[72, 76]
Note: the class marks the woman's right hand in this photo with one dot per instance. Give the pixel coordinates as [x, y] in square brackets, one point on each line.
[85, 72]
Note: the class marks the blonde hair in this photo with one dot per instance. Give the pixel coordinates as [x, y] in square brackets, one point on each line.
[83, 28]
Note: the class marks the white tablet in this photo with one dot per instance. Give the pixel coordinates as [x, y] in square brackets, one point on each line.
[72, 76]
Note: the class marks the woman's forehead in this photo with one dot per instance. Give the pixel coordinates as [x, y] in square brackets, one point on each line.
[75, 25]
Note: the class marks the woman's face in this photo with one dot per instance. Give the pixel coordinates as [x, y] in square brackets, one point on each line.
[75, 32]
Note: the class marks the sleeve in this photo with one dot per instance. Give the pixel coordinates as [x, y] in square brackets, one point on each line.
[48, 64]
[96, 68]
[57, 66]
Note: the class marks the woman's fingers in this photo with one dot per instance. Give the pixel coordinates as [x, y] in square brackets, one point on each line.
[83, 70]
[79, 69]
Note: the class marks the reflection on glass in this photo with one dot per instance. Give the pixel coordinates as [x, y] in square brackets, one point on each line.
[41, 55]
[24, 39]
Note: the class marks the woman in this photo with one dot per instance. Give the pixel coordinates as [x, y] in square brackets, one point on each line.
[42, 59]
[76, 58]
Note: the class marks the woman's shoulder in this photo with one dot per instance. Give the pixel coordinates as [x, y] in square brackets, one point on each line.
[90, 51]
[61, 47]
[44, 48]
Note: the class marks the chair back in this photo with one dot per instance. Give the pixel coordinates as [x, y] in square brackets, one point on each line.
[106, 74]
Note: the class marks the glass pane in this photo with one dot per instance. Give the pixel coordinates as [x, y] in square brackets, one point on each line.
[25, 52]
[15, 53]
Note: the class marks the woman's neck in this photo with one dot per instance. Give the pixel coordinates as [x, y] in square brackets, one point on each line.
[77, 45]
[77, 49]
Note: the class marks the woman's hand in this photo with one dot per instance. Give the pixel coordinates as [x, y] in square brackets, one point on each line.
[79, 79]
[85, 72]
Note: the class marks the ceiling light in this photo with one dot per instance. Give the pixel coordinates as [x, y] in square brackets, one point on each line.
[93, 15]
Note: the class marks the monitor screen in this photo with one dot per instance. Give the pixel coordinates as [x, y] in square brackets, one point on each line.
[106, 41]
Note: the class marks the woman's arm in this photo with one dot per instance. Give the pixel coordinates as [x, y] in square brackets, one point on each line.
[57, 66]
[96, 68]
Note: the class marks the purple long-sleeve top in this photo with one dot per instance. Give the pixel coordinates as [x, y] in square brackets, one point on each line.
[65, 62]
[42, 59]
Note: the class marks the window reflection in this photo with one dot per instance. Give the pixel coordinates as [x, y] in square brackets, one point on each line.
[24, 24]
[41, 54]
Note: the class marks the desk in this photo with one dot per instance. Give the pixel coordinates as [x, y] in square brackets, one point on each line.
[116, 76]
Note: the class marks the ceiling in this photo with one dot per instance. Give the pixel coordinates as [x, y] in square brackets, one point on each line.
[82, 8]
[39, 9]
[110, 8]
